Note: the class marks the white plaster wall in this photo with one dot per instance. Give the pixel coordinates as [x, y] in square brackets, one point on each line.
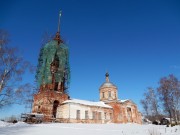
[70, 110]
[82, 108]
[63, 111]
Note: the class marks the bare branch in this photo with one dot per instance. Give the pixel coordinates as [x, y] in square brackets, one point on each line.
[12, 67]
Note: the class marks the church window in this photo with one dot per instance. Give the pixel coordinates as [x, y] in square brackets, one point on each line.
[103, 94]
[94, 115]
[86, 115]
[78, 114]
[99, 116]
[105, 115]
[109, 92]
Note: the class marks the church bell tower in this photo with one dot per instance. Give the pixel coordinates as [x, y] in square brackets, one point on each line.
[52, 76]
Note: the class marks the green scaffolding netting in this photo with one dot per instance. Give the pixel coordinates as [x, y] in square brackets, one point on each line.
[47, 54]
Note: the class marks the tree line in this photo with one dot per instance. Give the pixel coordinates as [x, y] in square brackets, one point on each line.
[163, 101]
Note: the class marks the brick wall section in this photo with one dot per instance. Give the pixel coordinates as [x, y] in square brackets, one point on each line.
[44, 100]
[120, 112]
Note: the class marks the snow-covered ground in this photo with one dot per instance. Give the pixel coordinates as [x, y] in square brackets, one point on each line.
[21, 128]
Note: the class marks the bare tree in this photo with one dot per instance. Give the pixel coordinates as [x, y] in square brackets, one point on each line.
[169, 92]
[145, 105]
[150, 104]
[12, 67]
[153, 101]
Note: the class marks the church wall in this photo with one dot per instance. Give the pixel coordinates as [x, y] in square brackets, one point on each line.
[68, 113]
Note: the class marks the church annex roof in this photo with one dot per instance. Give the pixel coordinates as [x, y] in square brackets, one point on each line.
[122, 101]
[126, 100]
[88, 103]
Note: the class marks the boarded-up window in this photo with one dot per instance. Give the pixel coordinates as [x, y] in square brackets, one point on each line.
[94, 115]
[86, 115]
[99, 116]
[78, 114]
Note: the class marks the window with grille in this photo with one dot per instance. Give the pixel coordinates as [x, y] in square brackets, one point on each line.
[86, 115]
[94, 115]
[99, 116]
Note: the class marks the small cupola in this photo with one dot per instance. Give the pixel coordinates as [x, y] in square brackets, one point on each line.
[108, 91]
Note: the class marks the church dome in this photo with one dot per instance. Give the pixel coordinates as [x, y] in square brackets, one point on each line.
[107, 83]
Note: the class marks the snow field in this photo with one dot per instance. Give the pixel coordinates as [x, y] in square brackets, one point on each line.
[21, 128]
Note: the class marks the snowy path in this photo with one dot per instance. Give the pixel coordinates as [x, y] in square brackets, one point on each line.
[86, 129]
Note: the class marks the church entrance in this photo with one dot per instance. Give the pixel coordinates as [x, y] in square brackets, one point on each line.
[129, 114]
[55, 105]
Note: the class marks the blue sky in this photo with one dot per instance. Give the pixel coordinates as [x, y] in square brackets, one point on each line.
[138, 42]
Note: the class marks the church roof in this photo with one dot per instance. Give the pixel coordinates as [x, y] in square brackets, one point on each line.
[88, 103]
